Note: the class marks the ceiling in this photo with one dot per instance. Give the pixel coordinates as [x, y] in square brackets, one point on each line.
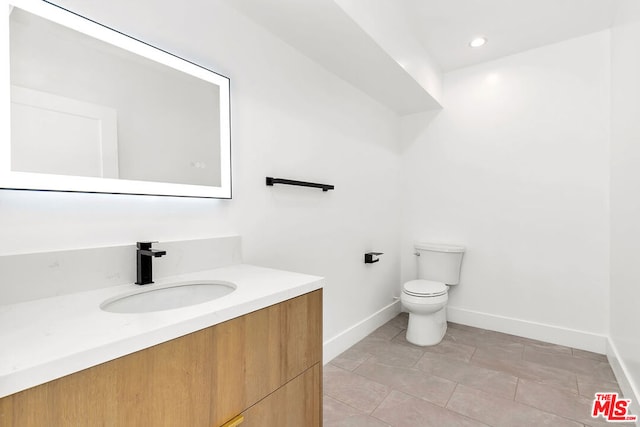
[445, 27]
[339, 35]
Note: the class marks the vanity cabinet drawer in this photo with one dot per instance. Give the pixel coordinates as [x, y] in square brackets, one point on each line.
[202, 379]
[298, 403]
[257, 353]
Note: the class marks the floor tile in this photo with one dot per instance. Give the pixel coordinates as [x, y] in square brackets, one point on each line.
[400, 321]
[387, 331]
[356, 421]
[353, 390]
[579, 365]
[350, 359]
[452, 325]
[499, 412]
[451, 349]
[542, 345]
[588, 387]
[402, 410]
[508, 351]
[480, 337]
[540, 373]
[589, 355]
[408, 380]
[334, 410]
[495, 382]
[388, 352]
[559, 402]
[549, 348]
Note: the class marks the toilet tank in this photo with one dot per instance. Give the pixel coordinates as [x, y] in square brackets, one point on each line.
[439, 262]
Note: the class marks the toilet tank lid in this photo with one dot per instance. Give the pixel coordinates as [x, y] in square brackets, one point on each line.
[438, 247]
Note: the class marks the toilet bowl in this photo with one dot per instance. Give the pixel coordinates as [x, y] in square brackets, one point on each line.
[426, 298]
[426, 301]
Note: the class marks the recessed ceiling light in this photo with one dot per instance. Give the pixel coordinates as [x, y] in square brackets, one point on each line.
[477, 42]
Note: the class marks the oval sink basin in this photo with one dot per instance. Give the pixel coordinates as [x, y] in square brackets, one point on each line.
[167, 297]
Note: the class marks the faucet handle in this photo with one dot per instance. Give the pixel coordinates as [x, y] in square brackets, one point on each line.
[146, 245]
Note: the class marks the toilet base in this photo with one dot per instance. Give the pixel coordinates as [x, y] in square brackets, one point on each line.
[427, 329]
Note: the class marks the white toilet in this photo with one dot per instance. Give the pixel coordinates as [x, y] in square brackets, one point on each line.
[426, 298]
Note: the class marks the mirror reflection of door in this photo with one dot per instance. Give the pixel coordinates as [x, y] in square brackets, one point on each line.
[62, 136]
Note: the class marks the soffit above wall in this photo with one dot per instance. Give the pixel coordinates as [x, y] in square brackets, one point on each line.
[324, 32]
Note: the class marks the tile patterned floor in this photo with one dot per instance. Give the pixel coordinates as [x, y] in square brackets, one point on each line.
[474, 377]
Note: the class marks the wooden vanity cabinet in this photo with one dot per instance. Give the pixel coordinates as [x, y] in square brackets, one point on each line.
[266, 365]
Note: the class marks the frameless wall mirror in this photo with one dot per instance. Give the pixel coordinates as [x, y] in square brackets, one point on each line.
[93, 110]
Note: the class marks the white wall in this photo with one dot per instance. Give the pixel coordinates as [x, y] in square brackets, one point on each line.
[625, 199]
[290, 119]
[515, 167]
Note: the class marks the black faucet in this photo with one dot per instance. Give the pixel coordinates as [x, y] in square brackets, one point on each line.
[143, 262]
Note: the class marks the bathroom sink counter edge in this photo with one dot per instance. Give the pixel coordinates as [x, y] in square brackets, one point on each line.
[49, 338]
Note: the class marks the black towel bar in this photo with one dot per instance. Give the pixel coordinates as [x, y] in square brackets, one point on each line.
[325, 187]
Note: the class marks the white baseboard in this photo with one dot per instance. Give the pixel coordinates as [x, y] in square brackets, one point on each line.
[539, 331]
[341, 342]
[629, 389]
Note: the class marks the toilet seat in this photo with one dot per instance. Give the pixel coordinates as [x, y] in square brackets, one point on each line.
[424, 288]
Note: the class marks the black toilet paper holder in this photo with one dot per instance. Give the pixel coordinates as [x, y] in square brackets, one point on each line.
[371, 257]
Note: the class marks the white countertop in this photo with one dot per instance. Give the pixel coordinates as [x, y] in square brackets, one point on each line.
[49, 338]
